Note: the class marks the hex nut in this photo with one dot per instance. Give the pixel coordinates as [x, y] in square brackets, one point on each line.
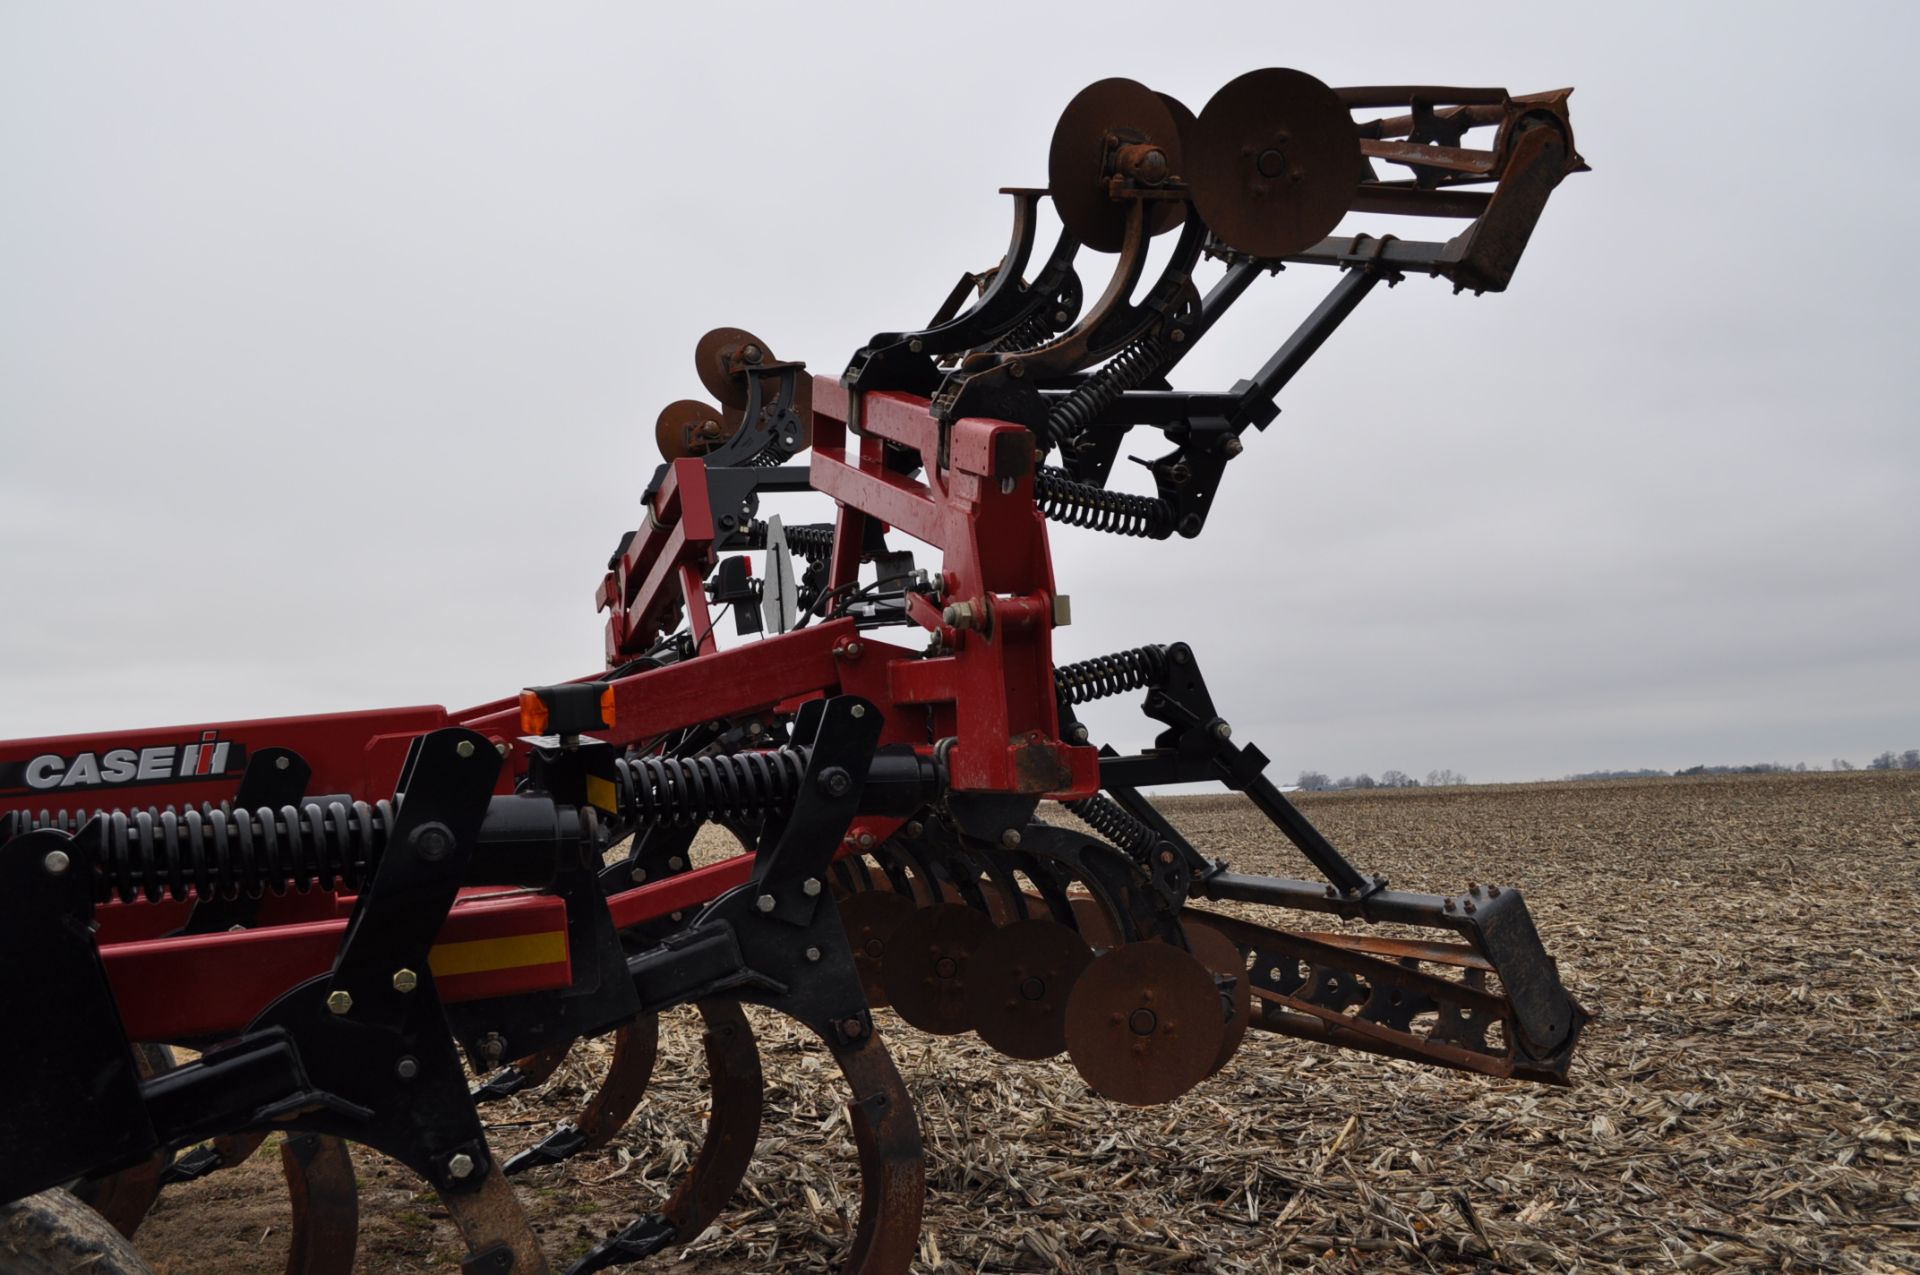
[339, 1002]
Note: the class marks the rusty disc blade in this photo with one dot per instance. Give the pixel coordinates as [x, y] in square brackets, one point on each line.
[1218, 953]
[1096, 926]
[871, 917]
[1018, 983]
[326, 1204]
[713, 360]
[1168, 213]
[1144, 1023]
[1273, 162]
[926, 966]
[689, 427]
[1077, 159]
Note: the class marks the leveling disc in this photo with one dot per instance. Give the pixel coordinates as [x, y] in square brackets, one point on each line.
[1168, 213]
[713, 359]
[1220, 955]
[1273, 162]
[1144, 1023]
[926, 968]
[1018, 983]
[1077, 160]
[689, 427]
[871, 917]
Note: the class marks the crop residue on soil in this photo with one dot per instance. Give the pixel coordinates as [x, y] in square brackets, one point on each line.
[1748, 1099]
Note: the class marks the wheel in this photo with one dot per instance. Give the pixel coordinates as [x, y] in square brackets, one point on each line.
[52, 1233]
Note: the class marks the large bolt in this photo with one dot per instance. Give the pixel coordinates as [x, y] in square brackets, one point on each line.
[460, 1165]
[407, 1068]
[959, 615]
[463, 749]
[282, 763]
[1010, 838]
[56, 862]
[765, 903]
[339, 1002]
[432, 841]
[810, 887]
[493, 1046]
[835, 781]
[858, 710]
[1079, 733]
[1222, 730]
[405, 981]
[865, 840]
[813, 954]
[1232, 445]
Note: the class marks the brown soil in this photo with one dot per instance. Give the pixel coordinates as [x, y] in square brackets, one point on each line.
[1748, 1099]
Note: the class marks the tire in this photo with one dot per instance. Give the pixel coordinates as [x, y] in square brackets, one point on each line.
[52, 1233]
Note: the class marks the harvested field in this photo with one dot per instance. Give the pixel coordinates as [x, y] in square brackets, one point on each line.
[1748, 1099]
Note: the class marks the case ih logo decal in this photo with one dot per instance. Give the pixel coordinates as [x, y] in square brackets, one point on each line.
[125, 767]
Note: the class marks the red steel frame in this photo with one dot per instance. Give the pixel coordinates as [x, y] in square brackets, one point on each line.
[988, 691]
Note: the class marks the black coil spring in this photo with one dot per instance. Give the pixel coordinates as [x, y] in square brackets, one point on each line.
[1112, 821]
[1087, 680]
[1127, 370]
[810, 540]
[684, 790]
[1029, 335]
[1078, 504]
[18, 823]
[210, 852]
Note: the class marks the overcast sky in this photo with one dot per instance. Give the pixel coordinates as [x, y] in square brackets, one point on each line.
[332, 337]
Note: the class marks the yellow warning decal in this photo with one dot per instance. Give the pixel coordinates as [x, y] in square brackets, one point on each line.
[602, 795]
[479, 956]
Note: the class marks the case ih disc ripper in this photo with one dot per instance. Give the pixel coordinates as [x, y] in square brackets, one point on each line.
[341, 915]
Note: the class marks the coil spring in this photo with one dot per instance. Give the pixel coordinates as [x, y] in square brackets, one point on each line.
[684, 790]
[1127, 370]
[1084, 681]
[1029, 335]
[1079, 504]
[1112, 821]
[157, 854]
[810, 540]
[18, 823]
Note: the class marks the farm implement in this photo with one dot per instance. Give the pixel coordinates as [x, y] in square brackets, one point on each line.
[366, 927]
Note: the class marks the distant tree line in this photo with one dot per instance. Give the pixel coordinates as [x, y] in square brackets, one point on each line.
[1314, 781]
[1317, 781]
[1889, 760]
